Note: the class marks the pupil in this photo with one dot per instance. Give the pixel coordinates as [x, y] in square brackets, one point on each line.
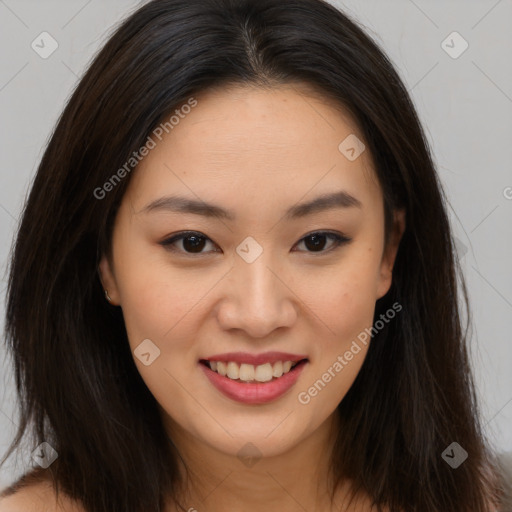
[316, 243]
[196, 246]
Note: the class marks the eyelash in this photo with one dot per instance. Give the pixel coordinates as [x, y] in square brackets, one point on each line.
[339, 240]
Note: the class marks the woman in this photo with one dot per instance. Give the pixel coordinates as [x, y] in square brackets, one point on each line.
[234, 283]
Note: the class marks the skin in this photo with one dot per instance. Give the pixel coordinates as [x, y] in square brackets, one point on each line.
[35, 496]
[255, 152]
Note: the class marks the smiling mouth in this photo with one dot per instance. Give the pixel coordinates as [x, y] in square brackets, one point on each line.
[249, 373]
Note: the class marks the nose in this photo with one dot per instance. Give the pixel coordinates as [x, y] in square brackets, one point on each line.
[256, 298]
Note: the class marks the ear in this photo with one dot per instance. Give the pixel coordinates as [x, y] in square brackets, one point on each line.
[108, 279]
[390, 252]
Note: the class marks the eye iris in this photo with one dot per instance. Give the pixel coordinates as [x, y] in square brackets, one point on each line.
[196, 246]
[317, 243]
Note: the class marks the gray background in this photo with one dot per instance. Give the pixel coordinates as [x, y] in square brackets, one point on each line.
[465, 104]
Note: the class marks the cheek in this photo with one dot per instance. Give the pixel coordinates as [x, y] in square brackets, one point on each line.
[161, 308]
[157, 300]
[344, 296]
[345, 304]
[161, 305]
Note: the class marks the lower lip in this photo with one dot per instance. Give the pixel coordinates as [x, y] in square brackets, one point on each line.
[257, 392]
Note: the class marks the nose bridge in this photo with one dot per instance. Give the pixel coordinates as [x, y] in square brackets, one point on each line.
[252, 266]
[258, 281]
[259, 301]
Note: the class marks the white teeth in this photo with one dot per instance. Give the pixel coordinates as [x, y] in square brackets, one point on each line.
[248, 372]
[221, 368]
[263, 372]
[233, 371]
[278, 369]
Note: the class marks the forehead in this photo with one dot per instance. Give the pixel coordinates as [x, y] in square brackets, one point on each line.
[249, 139]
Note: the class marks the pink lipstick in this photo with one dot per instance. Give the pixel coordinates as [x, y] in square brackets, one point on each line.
[253, 378]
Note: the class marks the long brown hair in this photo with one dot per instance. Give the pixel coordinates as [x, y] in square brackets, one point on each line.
[414, 394]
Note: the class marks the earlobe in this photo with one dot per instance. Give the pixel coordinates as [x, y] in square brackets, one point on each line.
[390, 252]
[108, 281]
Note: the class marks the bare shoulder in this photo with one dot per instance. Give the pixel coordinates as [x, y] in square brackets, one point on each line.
[32, 494]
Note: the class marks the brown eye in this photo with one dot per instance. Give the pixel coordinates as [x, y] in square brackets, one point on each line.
[191, 243]
[316, 242]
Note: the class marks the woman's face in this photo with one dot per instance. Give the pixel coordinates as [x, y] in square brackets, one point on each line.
[252, 280]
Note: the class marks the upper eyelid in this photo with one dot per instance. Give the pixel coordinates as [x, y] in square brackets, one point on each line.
[185, 234]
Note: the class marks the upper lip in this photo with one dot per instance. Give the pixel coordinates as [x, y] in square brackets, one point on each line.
[256, 359]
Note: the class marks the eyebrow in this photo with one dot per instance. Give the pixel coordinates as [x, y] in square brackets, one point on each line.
[324, 202]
